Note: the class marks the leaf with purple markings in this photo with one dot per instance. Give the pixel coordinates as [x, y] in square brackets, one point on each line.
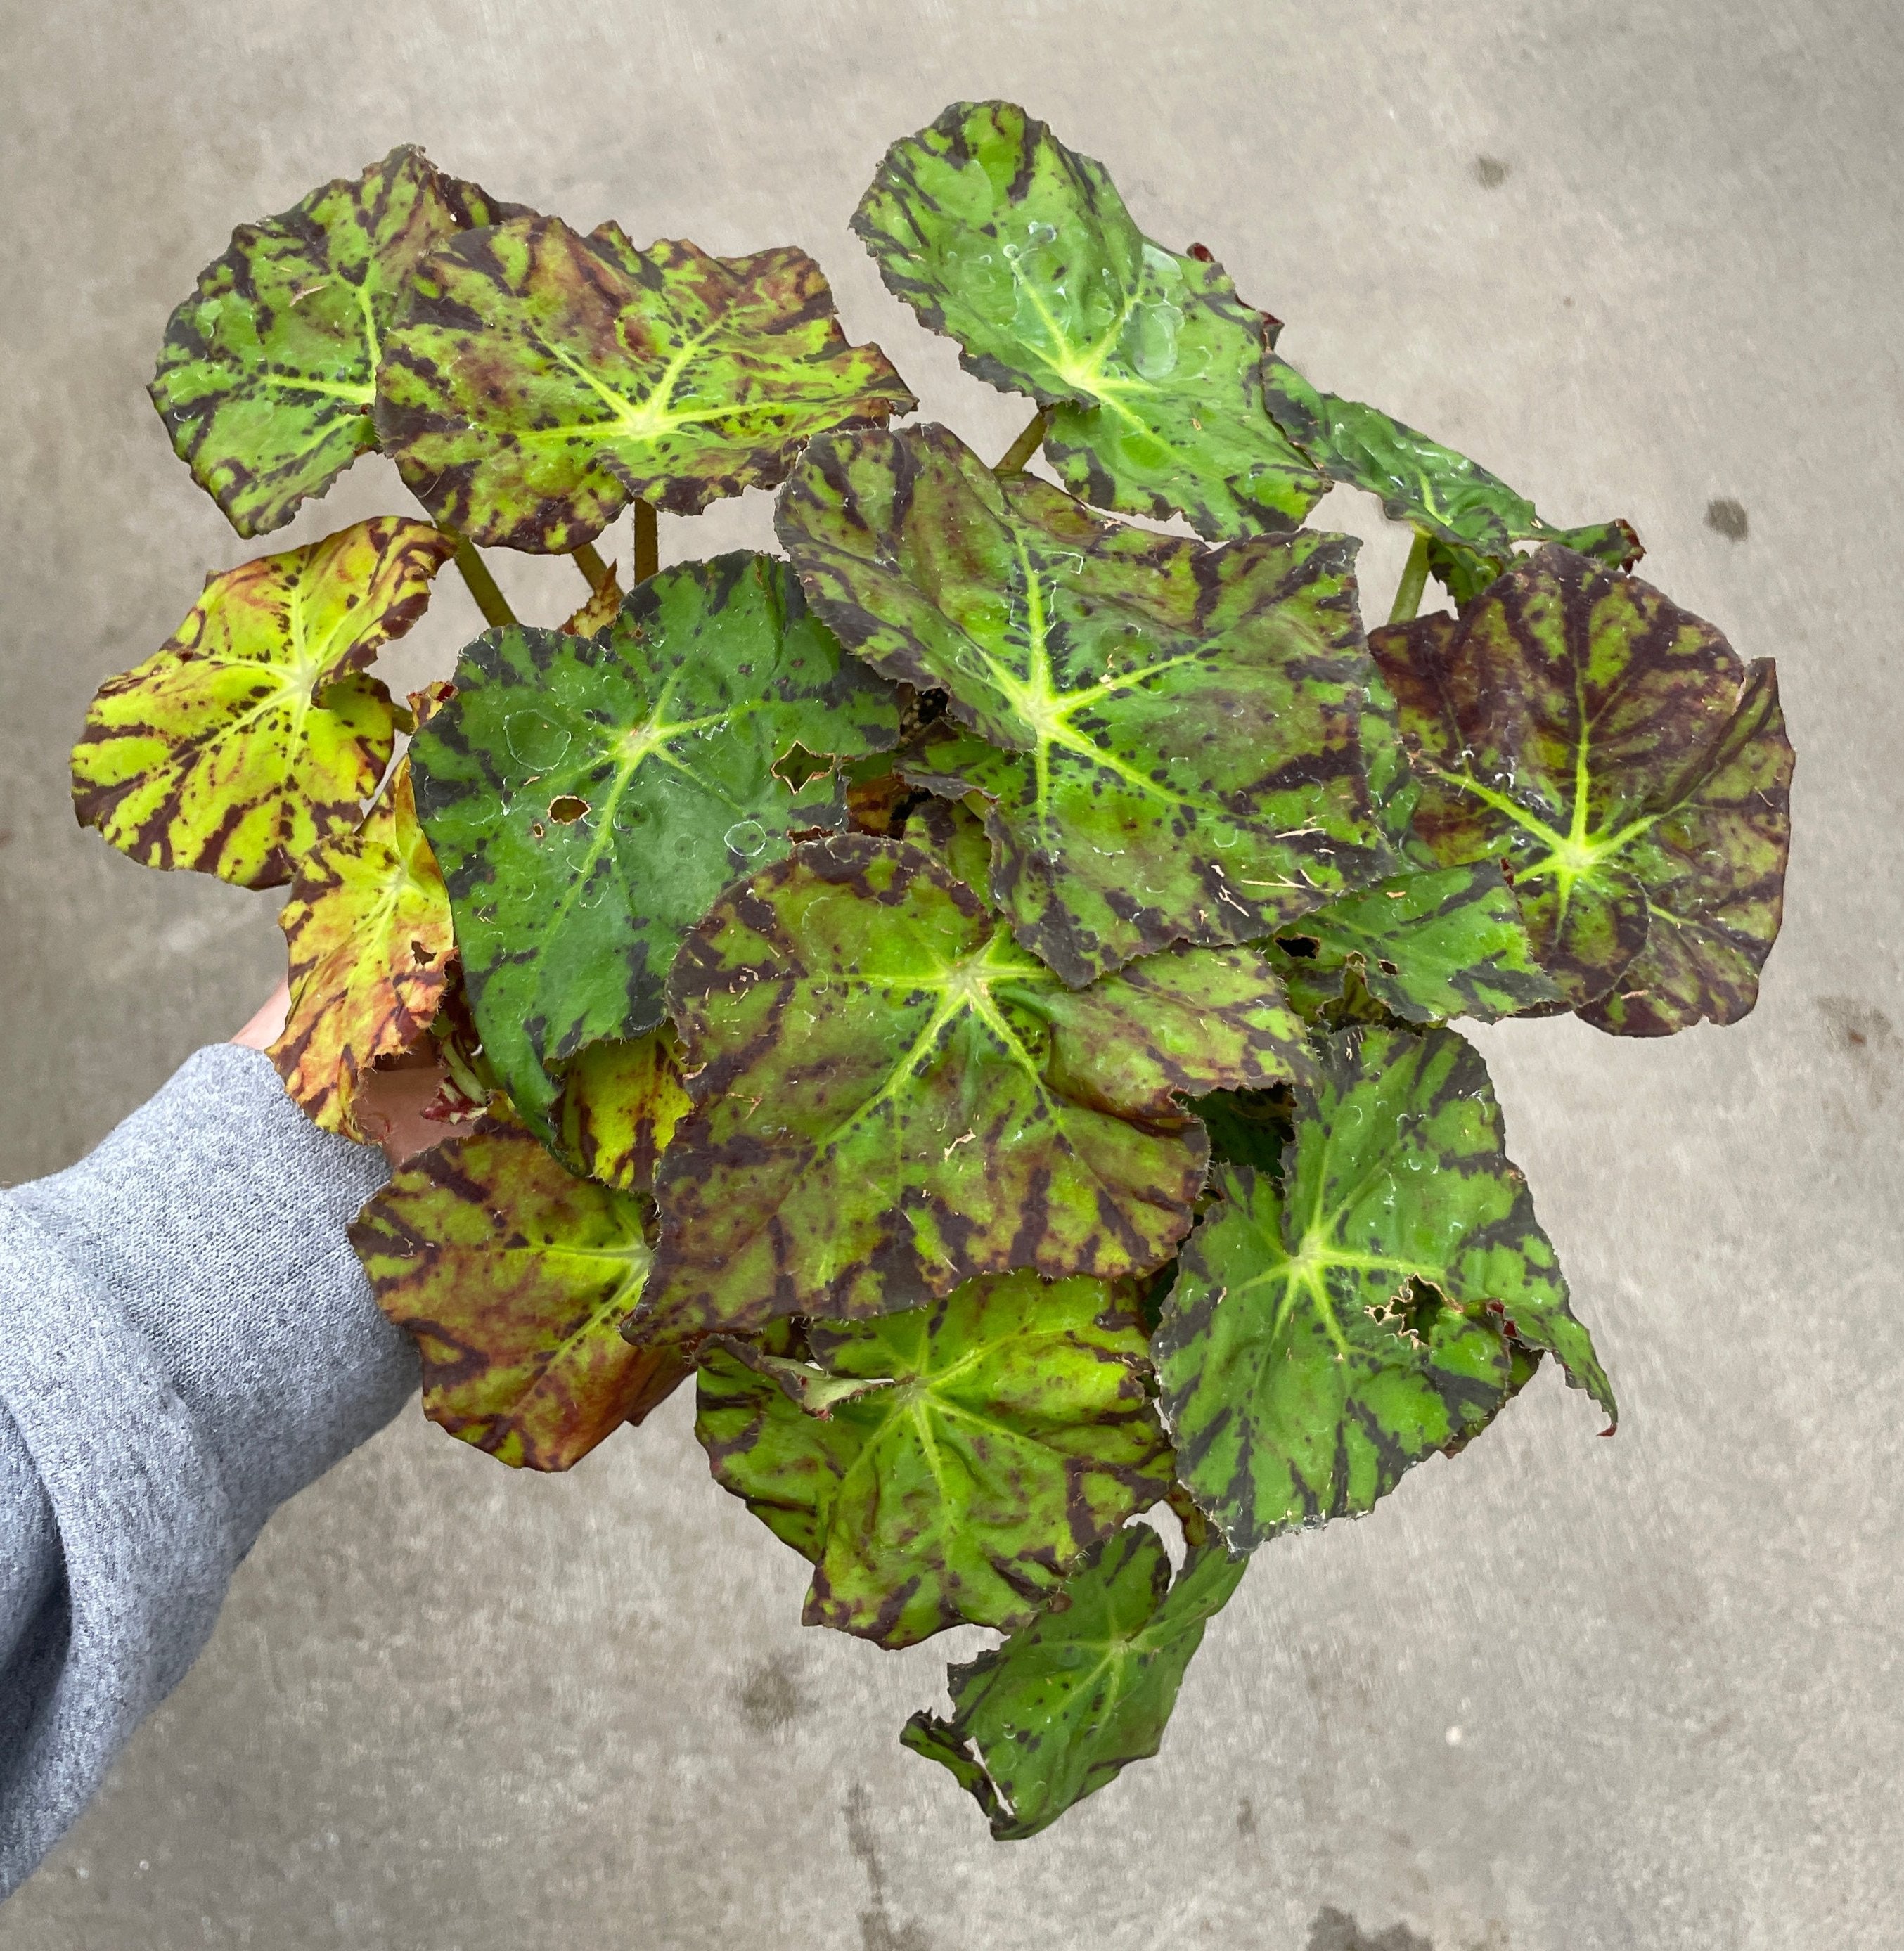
[1149, 365]
[589, 797]
[267, 376]
[1177, 743]
[542, 380]
[254, 733]
[892, 1097]
[371, 944]
[1472, 518]
[515, 1279]
[1630, 772]
[1333, 1325]
[1073, 1698]
[967, 1452]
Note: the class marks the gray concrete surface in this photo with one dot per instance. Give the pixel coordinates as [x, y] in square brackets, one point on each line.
[1642, 256]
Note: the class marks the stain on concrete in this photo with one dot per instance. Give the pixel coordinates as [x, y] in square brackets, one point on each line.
[1490, 172]
[1866, 1036]
[1336, 1930]
[1246, 1818]
[771, 1698]
[878, 1930]
[1727, 517]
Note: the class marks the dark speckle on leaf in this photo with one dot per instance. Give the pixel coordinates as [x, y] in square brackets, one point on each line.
[1490, 172]
[1727, 517]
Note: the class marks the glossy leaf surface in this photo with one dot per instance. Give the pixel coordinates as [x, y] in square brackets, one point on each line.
[268, 371]
[368, 927]
[1326, 1333]
[1632, 773]
[891, 1097]
[1473, 515]
[1071, 1699]
[1151, 365]
[1430, 946]
[254, 733]
[588, 798]
[515, 1278]
[1009, 1429]
[541, 380]
[1180, 739]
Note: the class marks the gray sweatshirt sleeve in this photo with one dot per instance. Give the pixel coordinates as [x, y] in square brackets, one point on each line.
[185, 1341]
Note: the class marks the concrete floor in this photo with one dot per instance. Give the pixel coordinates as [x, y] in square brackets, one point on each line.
[1640, 256]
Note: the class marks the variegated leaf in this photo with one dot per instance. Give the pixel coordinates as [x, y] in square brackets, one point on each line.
[1471, 516]
[1149, 364]
[620, 1103]
[1630, 771]
[1429, 946]
[254, 733]
[268, 371]
[1073, 1698]
[966, 1454]
[542, 380]
[515, 1279]
[1179, 744]
[368, 927]
[1333, 1326]
[892, 1097]
[589, 797]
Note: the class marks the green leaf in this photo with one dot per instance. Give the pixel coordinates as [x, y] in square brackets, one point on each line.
[1068, 1702]
[1328, 1332]
[1631, 773]
[1472, 518]
[515, 1279]
[588, 798]
[1150, 365]
[1186, 734]
[268, 371]
[371, 943]
[1430, 945]
[541, 380]
[1466, 573]
[253, 734]
[891, 1097]
[1007, 1429]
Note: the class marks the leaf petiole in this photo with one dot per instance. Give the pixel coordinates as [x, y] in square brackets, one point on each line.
[1414, 574]
[489, 598]
[594, 571]
[1013, 459]
[647, 542]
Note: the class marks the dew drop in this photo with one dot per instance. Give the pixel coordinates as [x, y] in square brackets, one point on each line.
[533, 741]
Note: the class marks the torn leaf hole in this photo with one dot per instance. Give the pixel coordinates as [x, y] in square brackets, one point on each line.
[566, 809]
[798, 766]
